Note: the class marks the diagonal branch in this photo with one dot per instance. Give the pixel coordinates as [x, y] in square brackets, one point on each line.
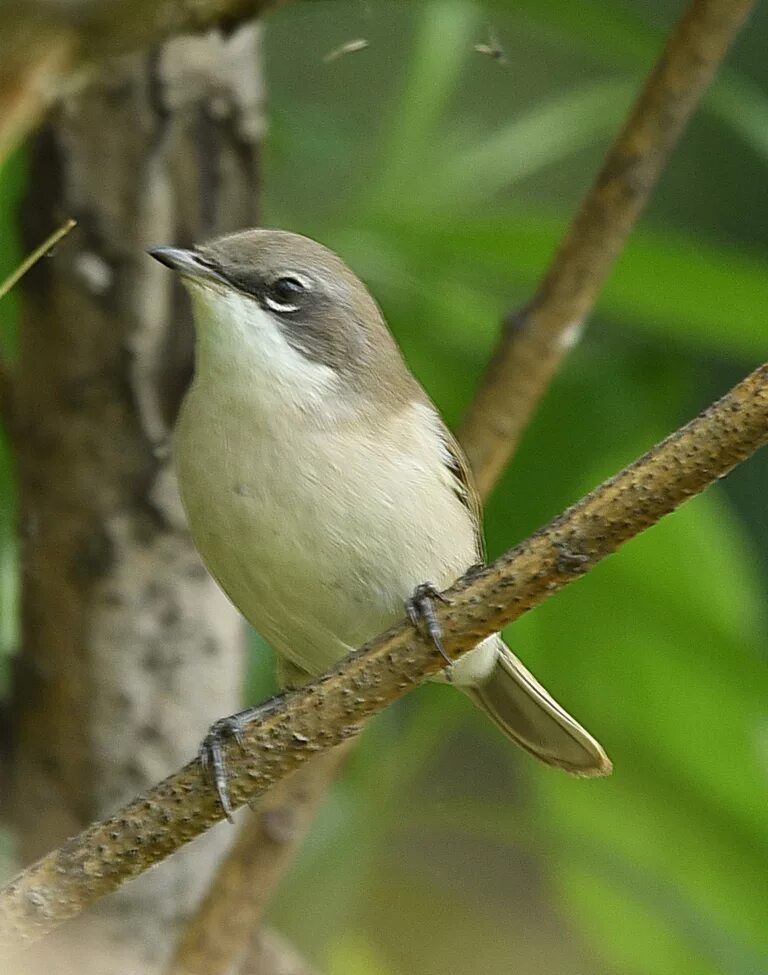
[536, 340]
[7, 381]
[37, 254]
[528, 355]
[332, 710]
[269, 954]
[249, 873]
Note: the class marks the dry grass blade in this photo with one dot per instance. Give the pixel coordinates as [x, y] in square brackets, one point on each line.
[37, 254]
[7, 407]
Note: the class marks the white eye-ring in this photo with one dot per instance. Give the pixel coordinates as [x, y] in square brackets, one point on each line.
[282, 293]
[278, 306]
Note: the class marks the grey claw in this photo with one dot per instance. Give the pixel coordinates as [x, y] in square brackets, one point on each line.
[421, 613]
[211, 751]
[211, 756]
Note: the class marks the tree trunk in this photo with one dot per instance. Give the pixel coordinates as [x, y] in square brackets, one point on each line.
[129, 650]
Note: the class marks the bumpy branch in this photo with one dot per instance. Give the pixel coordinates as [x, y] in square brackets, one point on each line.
[529, 352]
[536, 339]
[246, 879]
[332, 710]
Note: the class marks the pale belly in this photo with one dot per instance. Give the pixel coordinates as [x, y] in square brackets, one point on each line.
[319, 555]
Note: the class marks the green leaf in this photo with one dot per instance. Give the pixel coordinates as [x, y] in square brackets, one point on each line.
[443, 42]
[659, 652]
[544, 135]
[614, 35]
[609, 31]
[353, 954]
[706, 296]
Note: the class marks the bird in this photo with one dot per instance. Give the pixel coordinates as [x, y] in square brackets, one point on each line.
[322, 487]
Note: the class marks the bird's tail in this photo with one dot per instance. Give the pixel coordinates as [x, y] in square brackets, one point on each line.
[532, 718]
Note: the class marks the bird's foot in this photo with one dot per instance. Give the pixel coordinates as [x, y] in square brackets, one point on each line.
[211, 751]
[421, 613]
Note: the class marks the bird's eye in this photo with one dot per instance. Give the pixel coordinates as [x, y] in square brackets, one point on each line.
[284, 295]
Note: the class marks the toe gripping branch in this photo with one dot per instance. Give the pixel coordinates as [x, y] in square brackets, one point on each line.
[211, 751]
[421, 612]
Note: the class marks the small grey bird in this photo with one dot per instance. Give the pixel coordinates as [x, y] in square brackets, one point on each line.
[322, 487]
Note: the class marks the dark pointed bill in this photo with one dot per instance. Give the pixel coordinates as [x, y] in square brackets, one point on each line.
[185, 262]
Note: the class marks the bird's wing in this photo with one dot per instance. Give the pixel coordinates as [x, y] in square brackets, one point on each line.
[463, 484]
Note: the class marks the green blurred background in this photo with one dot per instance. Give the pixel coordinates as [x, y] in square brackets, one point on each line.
[446, 178]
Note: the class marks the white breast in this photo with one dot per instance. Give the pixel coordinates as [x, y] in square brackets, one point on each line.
[317, 527]
[317, 538]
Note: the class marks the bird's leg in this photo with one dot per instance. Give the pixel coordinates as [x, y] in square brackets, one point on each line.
[211, 751]
[421, 613]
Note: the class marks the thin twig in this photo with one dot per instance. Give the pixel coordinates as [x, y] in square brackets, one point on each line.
[524, 362]
[332, 710]
[7, 395]
[268, 840]
[484, 482]
[537, 339]
[37, 254]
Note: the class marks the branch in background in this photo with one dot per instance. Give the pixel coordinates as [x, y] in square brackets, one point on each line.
[34, 62]
[269, 954]
[246, 879]
[47, 46]
[536, 340]
[128, 648]
[332, 710]
[94, 41]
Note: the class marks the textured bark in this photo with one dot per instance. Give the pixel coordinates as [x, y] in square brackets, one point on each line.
[224, 925]
[531, 348]
[333, 709]
[129, 649]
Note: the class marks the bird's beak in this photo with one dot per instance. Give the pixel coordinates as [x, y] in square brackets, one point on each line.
[187, 263]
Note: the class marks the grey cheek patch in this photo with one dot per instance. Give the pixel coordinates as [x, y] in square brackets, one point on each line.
[316, 343]
[324, 330]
